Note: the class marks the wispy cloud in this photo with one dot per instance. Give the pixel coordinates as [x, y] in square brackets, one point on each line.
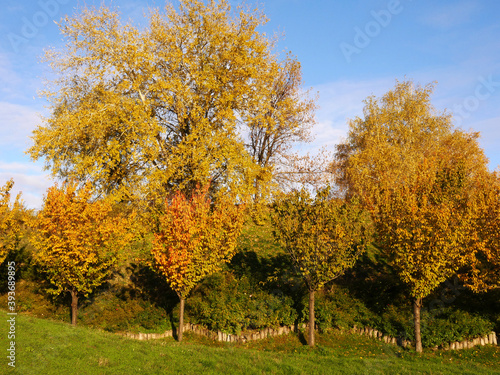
[28, 179]
[9, 80]
[451, 15]
[338, 103]
[16, 124]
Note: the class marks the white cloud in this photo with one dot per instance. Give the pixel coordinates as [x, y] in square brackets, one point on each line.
[338, 103]
[28, 179]
[19, 167]
[16, 124]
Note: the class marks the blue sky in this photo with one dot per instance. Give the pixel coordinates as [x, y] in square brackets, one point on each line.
[348, 50]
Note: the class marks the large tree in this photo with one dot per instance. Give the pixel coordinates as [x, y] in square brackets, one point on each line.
[283, 118]
[194, 239]
[144, 112]
[322, 236]
[77, 240]
[419, 178]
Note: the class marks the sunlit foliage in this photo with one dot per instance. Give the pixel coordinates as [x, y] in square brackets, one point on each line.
[195, 239]
[77, 240]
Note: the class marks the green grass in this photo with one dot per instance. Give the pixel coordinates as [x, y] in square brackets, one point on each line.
[48, 347]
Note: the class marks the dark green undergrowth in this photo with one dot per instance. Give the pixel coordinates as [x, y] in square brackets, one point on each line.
[230, 304]
[47, 347]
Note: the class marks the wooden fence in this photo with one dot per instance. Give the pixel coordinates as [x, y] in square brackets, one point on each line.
[489, 339]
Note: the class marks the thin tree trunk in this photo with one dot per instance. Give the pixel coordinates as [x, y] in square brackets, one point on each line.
[181, 319]
[74, 306]
[256, 199]
[417, 306]
[311, 318]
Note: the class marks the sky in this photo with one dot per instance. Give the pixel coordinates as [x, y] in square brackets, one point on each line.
[348, 49]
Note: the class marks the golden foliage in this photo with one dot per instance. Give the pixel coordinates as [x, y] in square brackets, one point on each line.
[427, 226]
[144, 112]
[419, 178]
[283, 118]
[483, 264]
[323, 236]
[77, 240]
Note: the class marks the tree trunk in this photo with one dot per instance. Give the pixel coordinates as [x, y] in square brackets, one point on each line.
[311, 318]
[181, 320]
[74, 306]
[256, 198]
[417, 306]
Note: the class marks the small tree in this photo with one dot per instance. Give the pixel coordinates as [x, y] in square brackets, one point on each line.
[77, 241]
[426, 226]
[322, 236]
[194, 240]
[11, 220]
[418, 176]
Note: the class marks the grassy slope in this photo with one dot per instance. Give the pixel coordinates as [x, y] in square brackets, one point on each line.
[47, 347]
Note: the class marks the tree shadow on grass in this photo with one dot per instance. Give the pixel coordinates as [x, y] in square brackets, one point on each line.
[302, 337]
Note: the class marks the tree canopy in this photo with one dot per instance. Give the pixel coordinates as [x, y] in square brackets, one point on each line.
[419, 177]
[144, 112]
[195, 238]
[12, 218]
[77, 240]
[323, 237]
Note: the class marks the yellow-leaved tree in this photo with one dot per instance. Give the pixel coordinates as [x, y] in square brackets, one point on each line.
[77, 240]
[323, 237]
[12, 218]
[284, 117]
[194, 239]
[482, 270]
[143, 112]
[419, 178]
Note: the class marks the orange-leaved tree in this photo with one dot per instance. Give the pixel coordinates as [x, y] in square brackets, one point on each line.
[11, 220]
[77, 240]
[195, 237]
[322, 236]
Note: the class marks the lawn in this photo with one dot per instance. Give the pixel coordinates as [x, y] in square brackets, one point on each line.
[48, 347]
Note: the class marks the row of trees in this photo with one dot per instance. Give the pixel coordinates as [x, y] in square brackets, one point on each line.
[78, 240]
[199, 109]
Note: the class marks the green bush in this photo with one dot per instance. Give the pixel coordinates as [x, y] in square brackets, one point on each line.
[336, 308]
[111, 313]
[226, 303]
[397, 321]
[450, 325]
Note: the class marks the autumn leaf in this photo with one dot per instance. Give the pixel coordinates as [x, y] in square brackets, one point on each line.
[195, 238]
[77, 240]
